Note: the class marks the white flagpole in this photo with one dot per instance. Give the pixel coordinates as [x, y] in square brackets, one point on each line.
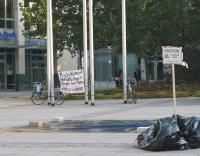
[124, 49]
[48, 57]
[85, 49]
[91, 50]
[50, 51]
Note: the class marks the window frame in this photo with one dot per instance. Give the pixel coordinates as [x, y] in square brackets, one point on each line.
[6, 19]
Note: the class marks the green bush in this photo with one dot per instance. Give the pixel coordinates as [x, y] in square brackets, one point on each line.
[146, 89]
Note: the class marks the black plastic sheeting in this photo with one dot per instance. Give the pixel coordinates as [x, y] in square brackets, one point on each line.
[171, 133]
[97, 126]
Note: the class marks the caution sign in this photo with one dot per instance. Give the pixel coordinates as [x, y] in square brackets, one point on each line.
[172, 55]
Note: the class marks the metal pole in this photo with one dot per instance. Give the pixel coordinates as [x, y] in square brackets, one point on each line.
[50, 49]
[48, 58]
[124, 49]
[91, 50]
[85, 49]
[174, 90]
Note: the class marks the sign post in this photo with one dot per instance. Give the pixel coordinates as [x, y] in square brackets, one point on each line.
[173, 55]
[174, 89]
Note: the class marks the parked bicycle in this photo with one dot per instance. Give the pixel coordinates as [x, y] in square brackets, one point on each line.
[39, 98]
[131, 93]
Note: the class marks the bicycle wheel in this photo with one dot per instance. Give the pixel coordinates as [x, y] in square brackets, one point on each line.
[59, 98]
[38, 98]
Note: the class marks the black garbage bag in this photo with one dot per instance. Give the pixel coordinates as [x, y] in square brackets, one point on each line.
[171, 133]
[162, 135]
[190, 128]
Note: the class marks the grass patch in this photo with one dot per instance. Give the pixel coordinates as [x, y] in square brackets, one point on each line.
[145, 90]
[197, 94]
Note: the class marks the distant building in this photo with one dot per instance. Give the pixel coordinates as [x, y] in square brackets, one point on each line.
[22, 60]
[107, 63]
[154, 68]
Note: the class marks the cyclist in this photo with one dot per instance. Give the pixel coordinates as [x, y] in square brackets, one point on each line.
[132, 97]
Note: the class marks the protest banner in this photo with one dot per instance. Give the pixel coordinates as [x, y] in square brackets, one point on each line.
[71, 81]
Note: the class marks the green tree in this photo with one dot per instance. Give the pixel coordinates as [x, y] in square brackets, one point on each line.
[67, 23]
[174, 23]
[150, 25]
[108, 25]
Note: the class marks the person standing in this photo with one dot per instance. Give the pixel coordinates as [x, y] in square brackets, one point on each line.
[117, 79]
[135, 77]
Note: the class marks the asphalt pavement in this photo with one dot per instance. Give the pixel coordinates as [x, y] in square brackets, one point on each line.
[16, 111]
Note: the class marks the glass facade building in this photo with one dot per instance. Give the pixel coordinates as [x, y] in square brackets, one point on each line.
[22, 60]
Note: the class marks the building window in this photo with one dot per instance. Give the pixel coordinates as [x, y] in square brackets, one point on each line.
[9, 9]
[2, 9]
[6, 14]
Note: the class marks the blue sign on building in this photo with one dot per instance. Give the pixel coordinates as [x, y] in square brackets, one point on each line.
[8, 35]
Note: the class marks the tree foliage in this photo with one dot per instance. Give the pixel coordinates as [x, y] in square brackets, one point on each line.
[67, 23]
[175, 23]
[150, 25]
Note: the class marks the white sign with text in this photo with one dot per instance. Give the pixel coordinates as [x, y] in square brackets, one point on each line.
[72, 81]
[172, 55]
